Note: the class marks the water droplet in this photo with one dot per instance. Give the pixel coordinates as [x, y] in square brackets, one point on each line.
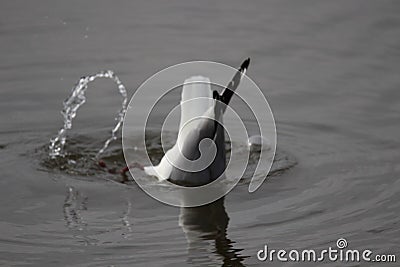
[76, 99]
[258, 143]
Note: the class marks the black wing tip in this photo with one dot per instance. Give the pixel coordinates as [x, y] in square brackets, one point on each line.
[245, 64]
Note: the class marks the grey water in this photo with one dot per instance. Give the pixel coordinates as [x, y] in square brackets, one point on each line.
[329, 69]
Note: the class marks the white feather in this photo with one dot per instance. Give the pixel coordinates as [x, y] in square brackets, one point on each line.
[196, 101]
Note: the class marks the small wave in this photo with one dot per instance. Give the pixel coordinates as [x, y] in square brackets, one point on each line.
[81, 150]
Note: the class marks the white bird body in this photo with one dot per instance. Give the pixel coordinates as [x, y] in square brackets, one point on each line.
[191, 162]
[197, 113]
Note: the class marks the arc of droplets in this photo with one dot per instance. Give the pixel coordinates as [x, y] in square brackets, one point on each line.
[76, 100]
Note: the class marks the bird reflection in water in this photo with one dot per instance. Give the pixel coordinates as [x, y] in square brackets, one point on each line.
[205, 228]
[74, 204]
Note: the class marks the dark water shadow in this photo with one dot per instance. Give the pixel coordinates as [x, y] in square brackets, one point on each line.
[205, 228]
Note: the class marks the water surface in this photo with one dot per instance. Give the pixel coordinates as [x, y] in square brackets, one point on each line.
[329, 70]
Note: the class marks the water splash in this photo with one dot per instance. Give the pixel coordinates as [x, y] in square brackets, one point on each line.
[75, 101]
